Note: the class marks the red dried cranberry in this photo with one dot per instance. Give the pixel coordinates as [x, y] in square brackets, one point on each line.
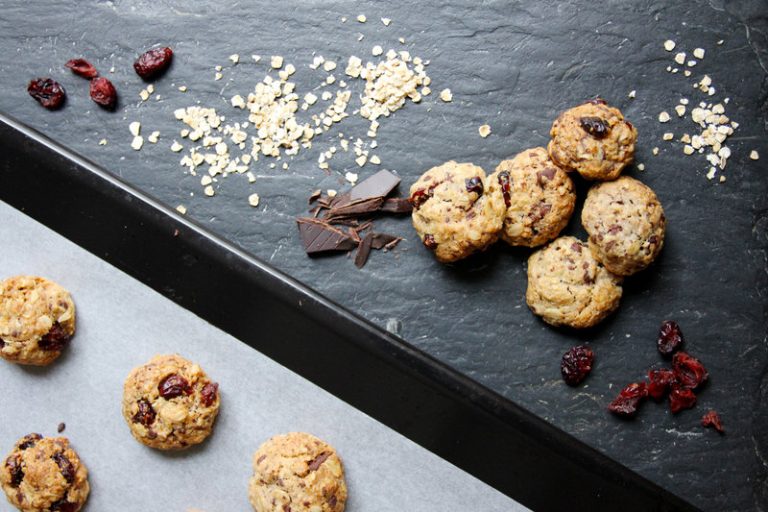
[712, 419]
[82, 67]
[48, 92]
[29, 441]
[681, 398]
[576, 364]
[629, 398]
[55, 339]
[146, 413]
[103, 92]
[208, 394]
[594, 126]
[153, 62]
[670, 337]
[173, 386]
[689, 372]
[475, 185]
[659, 382]
[429, 242]
[65, 466]
[13, 463]
[506, 187]
[63, 506]
[420, 197]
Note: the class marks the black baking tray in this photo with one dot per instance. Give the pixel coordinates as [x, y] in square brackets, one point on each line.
[442, 410]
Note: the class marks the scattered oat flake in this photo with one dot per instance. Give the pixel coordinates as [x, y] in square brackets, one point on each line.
[331, 192]
[655, 151]
[176, 147]
[446, 95]
[641, 167]
[154, 137]
[663, 117]
[688, 149]
[351, 177]
[632, 94]
[103, 142]
[668, 136]
[484, 130]
[144, 95]
[137, 142]
[276, 62]
[754, 155]
[680, 58]
[209, 191]
[669, 45]
[375, 160]
[181, 209]
[135, 128]
[253, 200]
[377, 50]
[680, 110]
[386, 21]
[183, 88]
[361, 18]
[218, 76]
[235, 58]
[699, 53]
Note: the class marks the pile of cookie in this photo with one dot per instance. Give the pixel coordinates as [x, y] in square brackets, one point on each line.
[169, 403]
[529, 199]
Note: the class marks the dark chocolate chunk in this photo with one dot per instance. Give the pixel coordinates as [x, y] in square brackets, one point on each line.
[546, 175]
[382, 240]
[319, 236]
[363, 251]
[61, 427]
[378, 185]
[355, 208]
[397, 205]
[315, 463]
[315, 196]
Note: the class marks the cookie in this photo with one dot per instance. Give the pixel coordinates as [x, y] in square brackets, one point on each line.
[170, 403]
[538, 196]
[625, 223]
[452, 213]
[567, 286]
[44, 474]
[297, 472]
[593, 139]
[37, 320]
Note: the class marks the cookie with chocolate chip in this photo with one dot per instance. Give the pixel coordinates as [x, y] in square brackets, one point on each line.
[44, 474]
[538, 196]
[297, 472]
[625, 223]
[567, 286]
[37, 320]
[593, 139]
[452, 213]
[170, 403]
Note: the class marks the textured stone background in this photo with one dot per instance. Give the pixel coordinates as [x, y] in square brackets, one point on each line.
[513, 65]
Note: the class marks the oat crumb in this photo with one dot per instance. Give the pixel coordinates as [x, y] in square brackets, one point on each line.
[446, 95]
[137, 142]
[253, 200]
[331, 192]
[641, 167]
[361, 18]
[668, 136]
[669, 45]
[181, 209]
[754, 155]
[688, 149]
[664, 117]
[680, 58]
[183, 88]
[699, 53]
[655, 151]
[632, 94]
[135, 128]
[386, 21]
[680, 110]
[103, 142]
[176, 147]
[351, 177]
[377, 50]
[208, 191]
[276, 62]
[484, 130]
[154, 137]
[235, 58]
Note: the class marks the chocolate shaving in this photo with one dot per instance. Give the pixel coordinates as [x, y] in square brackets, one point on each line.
[315, 463]
[382, 240]
[355, 208]
[364, 251]
[315, 196]
[397, 205]
[319, 236]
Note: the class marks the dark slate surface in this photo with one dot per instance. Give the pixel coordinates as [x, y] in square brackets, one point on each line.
[513, 65]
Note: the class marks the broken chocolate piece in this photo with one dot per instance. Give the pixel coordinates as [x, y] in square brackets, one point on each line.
[363, 251]
[382, 240]
[355, 208]
[319, 236]
[397, 205]
[378, 185]
[545, 175]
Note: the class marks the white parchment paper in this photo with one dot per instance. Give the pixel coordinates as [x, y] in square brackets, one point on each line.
[121, 324]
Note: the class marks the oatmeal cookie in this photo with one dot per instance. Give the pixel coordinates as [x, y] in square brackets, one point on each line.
[538, 196]
[170, 403]
[37, 319]
[593, 139]
[44, 474]
[567, 286]
[626, 225]
[297, 472]
[452, 214]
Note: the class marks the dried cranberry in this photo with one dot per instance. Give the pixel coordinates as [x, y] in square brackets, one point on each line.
[712, 419]
[659, 382]
[173, 386]
[629, 398]
[670, 337]
[65, 466]
[13, 463]
[146, 414]
[429, 242]
[420, 197]
[153, 62]
[103, 92]
[681, 398]
[506, 187]
[29, 441]
[208, 394]
[594, 126]
[82, 67]
[475, 185]
[576, 364]
[48, 92]
[54, 339]
[689, 372]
